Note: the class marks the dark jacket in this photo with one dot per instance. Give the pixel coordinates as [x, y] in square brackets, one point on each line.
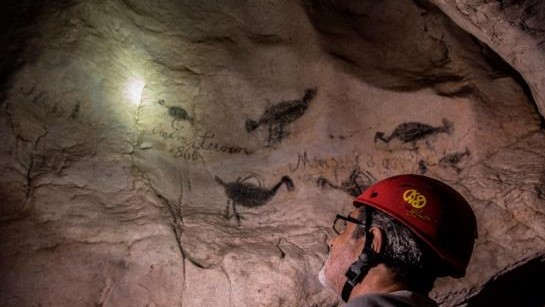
[402, 298]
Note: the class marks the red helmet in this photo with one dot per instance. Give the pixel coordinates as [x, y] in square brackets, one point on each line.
[434, 211]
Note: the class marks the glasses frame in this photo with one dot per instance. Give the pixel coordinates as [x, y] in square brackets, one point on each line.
[347, 219]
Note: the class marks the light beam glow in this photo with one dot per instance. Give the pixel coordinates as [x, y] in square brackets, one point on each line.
[134, 89]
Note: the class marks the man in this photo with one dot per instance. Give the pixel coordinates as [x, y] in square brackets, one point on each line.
[406, 231]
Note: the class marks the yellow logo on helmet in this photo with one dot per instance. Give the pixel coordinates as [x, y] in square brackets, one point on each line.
[414, 198]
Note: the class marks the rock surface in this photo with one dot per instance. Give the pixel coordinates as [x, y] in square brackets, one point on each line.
[168, 153]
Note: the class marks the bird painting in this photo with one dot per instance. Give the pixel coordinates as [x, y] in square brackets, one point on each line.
[247, 194]
[178, 115]
[281, 114]
[413, 131]
[354, 185]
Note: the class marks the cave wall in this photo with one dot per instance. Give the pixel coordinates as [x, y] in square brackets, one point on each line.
[169, 153]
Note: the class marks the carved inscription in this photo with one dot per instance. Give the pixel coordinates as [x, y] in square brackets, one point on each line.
[165, 135]
[305, 161]
[206, 142]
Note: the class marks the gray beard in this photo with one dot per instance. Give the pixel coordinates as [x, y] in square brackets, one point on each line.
[324, 281]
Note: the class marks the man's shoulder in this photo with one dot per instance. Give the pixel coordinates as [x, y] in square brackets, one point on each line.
[394, 299]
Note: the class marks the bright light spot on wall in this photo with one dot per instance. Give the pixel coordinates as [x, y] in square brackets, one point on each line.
[134, 90]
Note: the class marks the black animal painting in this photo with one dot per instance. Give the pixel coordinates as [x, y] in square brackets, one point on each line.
[354, 185]
[178, 115]
[539, 187]
[281, 114]
[452, 160]
[422, 167]
[414, 131]
[75, 111]
[247, 194]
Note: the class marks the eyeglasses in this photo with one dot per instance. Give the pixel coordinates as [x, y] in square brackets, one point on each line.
[340, 223]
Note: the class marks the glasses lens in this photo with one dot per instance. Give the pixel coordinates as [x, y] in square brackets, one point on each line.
[339, 225]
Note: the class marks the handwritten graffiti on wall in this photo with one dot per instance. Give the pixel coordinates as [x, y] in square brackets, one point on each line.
[166, 135]
[193, 149]
[279, 115]
[247, 194]
[306, 161]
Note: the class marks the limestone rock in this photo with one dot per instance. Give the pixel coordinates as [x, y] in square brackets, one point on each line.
[134, 133]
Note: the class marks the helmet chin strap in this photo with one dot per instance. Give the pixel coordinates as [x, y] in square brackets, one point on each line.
[366, 260]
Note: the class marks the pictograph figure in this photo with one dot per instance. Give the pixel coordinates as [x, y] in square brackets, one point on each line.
[247, 194]
[414, 131]
[354, 185]
[281, 114]
[178, 115]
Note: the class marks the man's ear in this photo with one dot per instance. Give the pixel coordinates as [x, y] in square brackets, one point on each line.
[378, 238]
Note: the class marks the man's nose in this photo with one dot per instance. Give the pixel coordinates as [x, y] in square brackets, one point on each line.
[330, 240]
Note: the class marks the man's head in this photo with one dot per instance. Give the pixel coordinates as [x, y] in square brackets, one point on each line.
[418, 228]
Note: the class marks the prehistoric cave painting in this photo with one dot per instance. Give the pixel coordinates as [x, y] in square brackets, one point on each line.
[413, 131]
[247, 194]
[178, 114]
[452, 160]
[354, 185]
[539, 188]
[343, 137]
[75, 111]
[422, 167]
[281, 114]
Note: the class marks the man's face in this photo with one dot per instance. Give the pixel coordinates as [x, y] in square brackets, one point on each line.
[344, 250]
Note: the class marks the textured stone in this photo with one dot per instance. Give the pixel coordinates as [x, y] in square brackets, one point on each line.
[513, 29]
[134, 132]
